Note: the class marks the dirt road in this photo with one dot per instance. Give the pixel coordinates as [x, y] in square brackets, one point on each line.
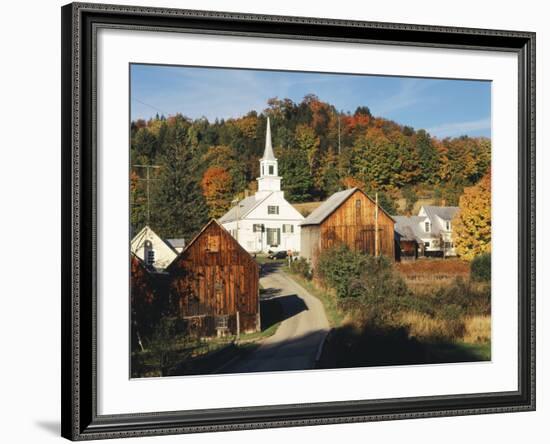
[295, 344]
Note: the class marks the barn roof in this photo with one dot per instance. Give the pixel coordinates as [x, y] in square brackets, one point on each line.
[212, 221]
[330, 205]
[240, 210]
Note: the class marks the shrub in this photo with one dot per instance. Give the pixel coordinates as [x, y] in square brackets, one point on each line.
[301, 266]
[480, 268]
[338, 266]
[366, 286]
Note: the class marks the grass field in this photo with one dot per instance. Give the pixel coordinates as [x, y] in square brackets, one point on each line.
[412, 337]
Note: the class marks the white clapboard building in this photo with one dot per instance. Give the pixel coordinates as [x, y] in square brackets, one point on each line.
[152, 249]
[266, 221]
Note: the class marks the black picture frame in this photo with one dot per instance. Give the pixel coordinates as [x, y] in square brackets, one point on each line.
[80, 22]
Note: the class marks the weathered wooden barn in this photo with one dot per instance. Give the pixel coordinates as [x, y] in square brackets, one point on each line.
[147, 287]
[216, 282]
[350, 217]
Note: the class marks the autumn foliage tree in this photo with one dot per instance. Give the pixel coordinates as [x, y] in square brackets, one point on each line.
[472, 224]
[217, 185]
[319, 149]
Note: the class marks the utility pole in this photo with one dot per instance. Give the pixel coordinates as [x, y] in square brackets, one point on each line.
[147, 182]
[339, 141]
[376, 252]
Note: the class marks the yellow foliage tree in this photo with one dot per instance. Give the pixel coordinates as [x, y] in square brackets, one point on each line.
[472, 224]
[216, 185]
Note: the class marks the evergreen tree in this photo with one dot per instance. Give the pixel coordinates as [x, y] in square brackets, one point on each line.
[428, 157]
[178, 207]
[297, 182]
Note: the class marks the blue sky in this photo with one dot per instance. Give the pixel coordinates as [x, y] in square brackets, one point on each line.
[445, 108]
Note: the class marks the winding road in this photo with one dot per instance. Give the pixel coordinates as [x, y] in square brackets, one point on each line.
[295, 344]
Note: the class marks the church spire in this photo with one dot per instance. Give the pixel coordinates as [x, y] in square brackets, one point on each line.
[269, 180]
[268, 151]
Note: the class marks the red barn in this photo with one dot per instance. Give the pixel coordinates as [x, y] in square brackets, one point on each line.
[216, 283]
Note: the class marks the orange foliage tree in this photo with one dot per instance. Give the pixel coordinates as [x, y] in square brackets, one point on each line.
[216, 186]
[472, 224]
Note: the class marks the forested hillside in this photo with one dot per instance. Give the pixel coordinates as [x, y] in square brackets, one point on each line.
[203, 166]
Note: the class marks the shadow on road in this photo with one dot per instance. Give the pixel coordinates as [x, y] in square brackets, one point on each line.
[269, 268]
[297, 353]
[280, 309]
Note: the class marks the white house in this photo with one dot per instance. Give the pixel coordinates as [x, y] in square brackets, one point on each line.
[265, 221]
[152, 249]
[432, 229]
[177, 244]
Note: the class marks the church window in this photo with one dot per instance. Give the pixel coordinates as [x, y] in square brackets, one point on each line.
[288, 228]
[150, 257]
[273, 209]
[271, 170]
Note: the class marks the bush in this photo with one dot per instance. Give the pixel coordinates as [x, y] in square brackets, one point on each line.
[301, 266]
[338, 267]
[367, 287]
[480, 268]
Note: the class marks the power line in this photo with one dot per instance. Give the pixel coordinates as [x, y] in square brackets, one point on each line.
[150, 106]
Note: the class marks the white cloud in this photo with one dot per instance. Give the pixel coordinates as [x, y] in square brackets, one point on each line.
[460, 128]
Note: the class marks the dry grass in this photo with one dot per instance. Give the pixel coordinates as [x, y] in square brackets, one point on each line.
[473, 329]
[424, 327]
[478, 329]
[432, 274]
[443, 267]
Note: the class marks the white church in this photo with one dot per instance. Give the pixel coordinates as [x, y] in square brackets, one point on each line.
[265, 221]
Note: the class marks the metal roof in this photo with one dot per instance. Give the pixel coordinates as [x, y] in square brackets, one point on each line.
[176, 243]
[445, 213]
[410, 228]
[324, 210]
[240, 210]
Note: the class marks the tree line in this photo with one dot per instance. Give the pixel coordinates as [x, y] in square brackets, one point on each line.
[204, 166]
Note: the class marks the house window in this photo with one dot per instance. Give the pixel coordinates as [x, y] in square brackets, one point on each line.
[150, 257]
[272, 209]
[448, 225]
[258, 228]
[358, 211]
[273, 237]
[288, 228]
[426, 244]
[427, 226]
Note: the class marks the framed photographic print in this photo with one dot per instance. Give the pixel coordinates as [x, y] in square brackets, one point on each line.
[277, 221]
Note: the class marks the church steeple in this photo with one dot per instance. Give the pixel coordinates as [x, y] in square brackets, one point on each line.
[268, 151]
[269, 179]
